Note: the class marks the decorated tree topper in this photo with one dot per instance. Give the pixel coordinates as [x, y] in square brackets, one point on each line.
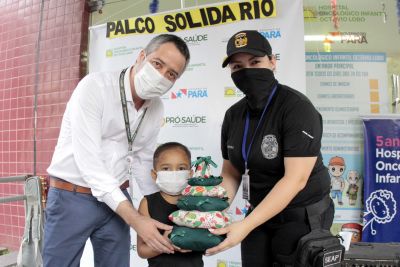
[202, 167]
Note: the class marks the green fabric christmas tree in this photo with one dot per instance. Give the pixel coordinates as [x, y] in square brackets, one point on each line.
[200, 208]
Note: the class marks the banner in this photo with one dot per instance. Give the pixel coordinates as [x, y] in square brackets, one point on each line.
[382, 179]
[195, 106]
[343, 85]
[192, 19]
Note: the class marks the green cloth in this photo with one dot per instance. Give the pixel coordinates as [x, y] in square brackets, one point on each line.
[194, 239]
[202, 203]
[212, 180]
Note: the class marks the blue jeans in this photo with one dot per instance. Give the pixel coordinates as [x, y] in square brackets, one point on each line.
[336, 193]
[72, 218]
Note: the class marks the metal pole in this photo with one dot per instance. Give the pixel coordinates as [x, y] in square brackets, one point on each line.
[13, 179]
[11, 199]
[395, 93]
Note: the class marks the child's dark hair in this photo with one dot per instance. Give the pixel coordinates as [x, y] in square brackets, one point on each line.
[166, 146]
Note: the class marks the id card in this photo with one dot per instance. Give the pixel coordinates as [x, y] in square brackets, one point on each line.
[129, 160]
[246, 185]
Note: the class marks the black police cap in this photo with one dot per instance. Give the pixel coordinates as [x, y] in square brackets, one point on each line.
[251, 42]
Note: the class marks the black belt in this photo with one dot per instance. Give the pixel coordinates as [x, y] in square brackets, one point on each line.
[306, 213]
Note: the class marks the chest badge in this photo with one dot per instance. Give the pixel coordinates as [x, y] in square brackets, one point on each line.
[269, 146]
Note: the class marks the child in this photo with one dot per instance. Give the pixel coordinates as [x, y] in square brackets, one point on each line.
[171, 163]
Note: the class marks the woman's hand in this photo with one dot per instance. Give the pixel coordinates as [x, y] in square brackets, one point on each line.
[235, 233]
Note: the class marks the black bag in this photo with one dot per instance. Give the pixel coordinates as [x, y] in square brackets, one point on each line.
[319, 248]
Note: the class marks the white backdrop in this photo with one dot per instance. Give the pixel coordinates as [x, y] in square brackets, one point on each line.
[195, 106]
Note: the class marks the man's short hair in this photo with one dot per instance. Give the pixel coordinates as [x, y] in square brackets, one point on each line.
[167, 146]
[179, 43]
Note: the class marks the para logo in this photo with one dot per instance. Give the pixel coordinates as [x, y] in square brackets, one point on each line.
[191, 93]
[271, 33]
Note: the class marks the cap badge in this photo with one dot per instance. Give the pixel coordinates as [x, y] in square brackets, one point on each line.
[240, 39]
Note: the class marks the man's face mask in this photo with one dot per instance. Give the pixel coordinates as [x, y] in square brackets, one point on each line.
[172, 182]
[149, 83]
[256, 84]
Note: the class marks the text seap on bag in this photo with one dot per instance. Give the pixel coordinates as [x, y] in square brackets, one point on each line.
[319, 248]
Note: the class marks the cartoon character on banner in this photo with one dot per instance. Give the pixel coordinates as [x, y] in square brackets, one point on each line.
[352, 190]
[355, 229]
[381, 208]
[336, 169]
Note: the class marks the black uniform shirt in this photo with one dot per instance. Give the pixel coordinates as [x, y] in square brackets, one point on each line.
[291, 127]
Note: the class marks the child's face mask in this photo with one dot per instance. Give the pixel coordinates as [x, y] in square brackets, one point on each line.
[172, 182]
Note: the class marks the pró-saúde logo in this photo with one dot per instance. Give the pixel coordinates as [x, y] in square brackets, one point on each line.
[185, 121]
[271, 33]
[230, 91]
[188, 93]
[196, 39]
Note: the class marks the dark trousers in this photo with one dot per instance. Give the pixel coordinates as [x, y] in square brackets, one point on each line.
[71, 219]
[274, 242]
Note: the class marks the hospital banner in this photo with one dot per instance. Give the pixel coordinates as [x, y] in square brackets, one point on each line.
[342, 86]
[381, 218]
[196, 104]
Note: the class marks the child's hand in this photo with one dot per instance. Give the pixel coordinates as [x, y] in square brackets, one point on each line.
[166, 233]
[181, 250]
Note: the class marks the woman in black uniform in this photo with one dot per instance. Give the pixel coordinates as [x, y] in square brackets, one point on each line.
[271, 143]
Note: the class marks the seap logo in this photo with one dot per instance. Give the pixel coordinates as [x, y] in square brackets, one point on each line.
[191, 93]
[332, 258]
[232, 92]
[271, 33]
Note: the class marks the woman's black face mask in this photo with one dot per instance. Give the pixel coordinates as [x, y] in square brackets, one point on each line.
[256, 84]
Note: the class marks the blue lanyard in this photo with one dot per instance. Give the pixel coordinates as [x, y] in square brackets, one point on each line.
[245, 153]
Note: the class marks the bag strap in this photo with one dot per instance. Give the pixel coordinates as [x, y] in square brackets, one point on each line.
[315, 210]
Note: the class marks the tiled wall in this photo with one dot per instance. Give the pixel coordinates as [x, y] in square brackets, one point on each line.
[53, 75]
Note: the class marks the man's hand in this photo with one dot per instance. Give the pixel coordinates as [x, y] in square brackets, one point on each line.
[147, 229]
[166, 233]
[235, 233]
